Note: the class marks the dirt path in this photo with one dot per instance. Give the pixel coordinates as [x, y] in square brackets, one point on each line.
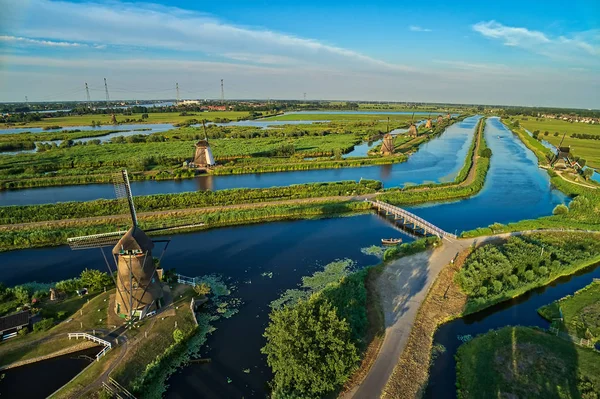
[403, 286]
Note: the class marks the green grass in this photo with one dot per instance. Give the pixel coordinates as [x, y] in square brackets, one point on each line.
[153, 117]
[580, 312]
[584, 148]
[160, 337]
[521, 362]
[307, 116]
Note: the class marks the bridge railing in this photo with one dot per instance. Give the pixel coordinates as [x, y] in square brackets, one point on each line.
[107, 345]
[422, 222]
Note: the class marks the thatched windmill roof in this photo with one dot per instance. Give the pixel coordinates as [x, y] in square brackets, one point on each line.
[412, 130]
[134, 240]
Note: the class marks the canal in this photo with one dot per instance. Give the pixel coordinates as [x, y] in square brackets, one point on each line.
[438, 160]
[247, 255]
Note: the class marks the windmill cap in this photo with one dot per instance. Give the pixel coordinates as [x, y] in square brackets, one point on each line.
[134, 239]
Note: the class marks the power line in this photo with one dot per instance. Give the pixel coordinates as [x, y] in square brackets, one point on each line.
[106, 90]
[177, 88]
[222, 91]
[87, 95]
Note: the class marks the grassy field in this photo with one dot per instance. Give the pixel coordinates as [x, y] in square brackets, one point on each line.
[584, 148]
[521, 362]
[307, 116]
[580, 312]
[153, 117]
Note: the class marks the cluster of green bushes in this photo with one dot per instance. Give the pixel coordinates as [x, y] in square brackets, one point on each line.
[314, 345]
[71, 210]
[494, 273]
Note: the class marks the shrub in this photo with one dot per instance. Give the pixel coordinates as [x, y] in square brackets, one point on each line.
[560, 209]
[309, 348]
[43, 325]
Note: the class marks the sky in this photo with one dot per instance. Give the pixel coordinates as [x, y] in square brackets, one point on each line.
[532, 53]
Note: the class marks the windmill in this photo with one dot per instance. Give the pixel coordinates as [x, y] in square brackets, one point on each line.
[440, 119]
[203, 156]
[137, 279]
[412, 130]
[561, 152]
[428, 125]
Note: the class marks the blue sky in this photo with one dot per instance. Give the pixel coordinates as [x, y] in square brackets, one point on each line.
[519, 53]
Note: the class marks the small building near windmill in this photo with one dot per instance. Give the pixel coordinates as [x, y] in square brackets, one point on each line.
[139, 290]
[387, 146]
[203, 156]
[11, 324]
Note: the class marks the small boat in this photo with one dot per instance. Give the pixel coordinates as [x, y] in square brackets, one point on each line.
[391, 241]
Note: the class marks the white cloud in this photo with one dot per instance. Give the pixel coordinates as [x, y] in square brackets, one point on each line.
[38, 42]
[560, 47]
[415, 28]
[151, 26]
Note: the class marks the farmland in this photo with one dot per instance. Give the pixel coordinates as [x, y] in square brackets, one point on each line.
[587, 148]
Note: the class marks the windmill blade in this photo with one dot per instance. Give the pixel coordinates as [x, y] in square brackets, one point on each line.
[95, 240]
[123, 191]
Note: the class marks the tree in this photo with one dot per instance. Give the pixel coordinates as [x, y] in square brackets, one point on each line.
[560, 209]
[95, 280]
[144, 116]
[486, 153]
[21, 294]
[588, 173]
[178, 335]
[309, 348]
[202, 289]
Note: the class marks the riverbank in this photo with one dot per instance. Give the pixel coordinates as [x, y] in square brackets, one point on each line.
[444, 302]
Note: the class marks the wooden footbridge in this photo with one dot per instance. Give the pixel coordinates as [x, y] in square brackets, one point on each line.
[410, 220]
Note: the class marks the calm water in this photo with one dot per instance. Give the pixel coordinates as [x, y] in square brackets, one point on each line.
[41, 379]
[154, 128]
[519, 311]
[438, 160]
[293, 249]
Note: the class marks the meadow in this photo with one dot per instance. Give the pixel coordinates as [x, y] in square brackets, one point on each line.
[580, 313]
[153, 117]
[492, 365]
[589, 149]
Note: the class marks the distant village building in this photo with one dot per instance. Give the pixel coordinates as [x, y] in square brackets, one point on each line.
[189, 102]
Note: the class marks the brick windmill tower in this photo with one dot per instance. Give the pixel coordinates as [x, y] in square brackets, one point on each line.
[136, 277]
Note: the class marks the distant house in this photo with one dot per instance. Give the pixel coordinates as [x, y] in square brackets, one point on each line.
[11, 324]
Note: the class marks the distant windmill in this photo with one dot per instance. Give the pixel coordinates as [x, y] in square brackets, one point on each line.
[428, 125]
[412, 130]
[203, 156]
[137, 280]
[440, 119]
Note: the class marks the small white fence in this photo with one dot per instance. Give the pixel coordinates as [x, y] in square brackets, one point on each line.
[186, 280]
[107, 345]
